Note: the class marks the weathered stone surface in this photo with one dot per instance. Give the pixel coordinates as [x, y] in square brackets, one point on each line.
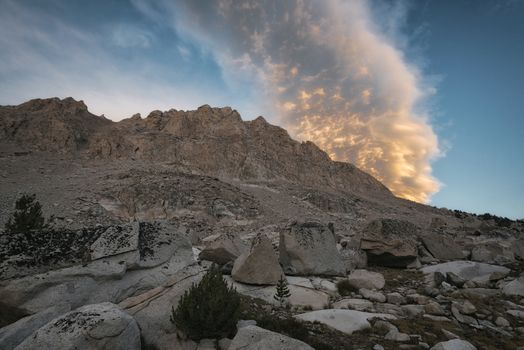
[515, 287]
[395, 298]
[390, 242]
[466, 270]
[442, 247]
[116, 240]
[256, 338]
[354, 304]
[222, 248]
[98, 281]
[354, 258]
[98, 326]
[366, 279]
[309, 248]
[454, 344]
[372, 295]
[15, 333]
[259, 265]
[493, 252]
[434, 308]
[346, 321]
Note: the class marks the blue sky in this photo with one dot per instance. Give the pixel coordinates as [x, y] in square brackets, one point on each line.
[424, 95]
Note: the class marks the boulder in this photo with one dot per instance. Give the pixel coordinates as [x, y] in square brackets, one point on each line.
[97, 281]
[116, 241]
[372, 295]
[493, 252]
[309, 248]
[256, 338]
[466, 270]
[354, 304]
[389, 242]
[353, 257]
[454, 344]
[15, 333]
[222, 248]
[366, 279]
[442, 247]
[98, 326]
[514, 288]
[259, 265]
[346, 321]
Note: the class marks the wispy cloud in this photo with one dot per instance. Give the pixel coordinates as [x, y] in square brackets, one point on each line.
[333, 76]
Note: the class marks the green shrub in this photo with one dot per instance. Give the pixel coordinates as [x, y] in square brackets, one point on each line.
[209, 309]
[345, 288]
[282, 292]
[27, 216]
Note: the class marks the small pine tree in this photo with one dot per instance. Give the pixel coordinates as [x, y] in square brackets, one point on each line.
[282, 291]
[27, 216]
[209, 309]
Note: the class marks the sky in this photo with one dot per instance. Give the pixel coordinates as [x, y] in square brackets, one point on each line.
[425, 95]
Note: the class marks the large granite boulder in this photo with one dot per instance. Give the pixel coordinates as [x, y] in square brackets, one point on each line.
[309, 248]
[15, 333]
[493, 252]
[98, 326]
[346, 321]
[256, 338]
[466, 270]
[366, 279]
[113, 277]
[222, 248]
[442, 247]
[259, 265]
[389, 242]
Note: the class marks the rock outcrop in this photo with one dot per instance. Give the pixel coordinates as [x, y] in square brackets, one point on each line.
[259, 265]
[309, 248]
[390, 242]
[256, 338]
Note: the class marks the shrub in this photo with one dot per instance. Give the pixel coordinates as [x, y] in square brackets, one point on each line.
[345, 288]
[27, 216]
[209, 309]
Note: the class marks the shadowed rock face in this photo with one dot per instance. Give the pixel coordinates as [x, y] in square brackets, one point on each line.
[209, 140]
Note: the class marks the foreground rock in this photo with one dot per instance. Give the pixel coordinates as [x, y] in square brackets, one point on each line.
[15, 333]
[256, 338]
[98, 326]
[454, 344]
[366, 279]
[389, 242]
[160, 254]
[222, 248]
[309, 248]
[259, 265]
[346, 321]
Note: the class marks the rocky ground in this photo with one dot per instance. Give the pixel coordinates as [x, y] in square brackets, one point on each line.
[131, 230]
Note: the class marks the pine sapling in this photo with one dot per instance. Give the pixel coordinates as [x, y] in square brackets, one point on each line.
[282, 291]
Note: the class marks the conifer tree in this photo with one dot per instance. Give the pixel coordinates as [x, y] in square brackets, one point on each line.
[282, 291]
[209, 309]
[27, 216]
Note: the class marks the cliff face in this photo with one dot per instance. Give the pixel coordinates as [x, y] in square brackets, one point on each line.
[211, 141]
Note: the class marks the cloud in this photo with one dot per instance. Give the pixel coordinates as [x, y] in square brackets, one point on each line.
[128, 36]
[331, 74]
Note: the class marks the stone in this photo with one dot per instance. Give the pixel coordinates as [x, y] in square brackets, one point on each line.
[502, 322]
[389, 242]
[309, 248]
[245, 323]
[395, 298]
[372, 295]
[439, 277]
[493, 252]
[346, 321]
[449, 335]
[354, 304]
[97, 326]
[455, 279]
[378, 347]
[259, 265]
[460, 317]
[466, 270]
[466, 307]
[454, 344]
[222, 248]
[353, 258]
[366, 279]
[116, 240]
[514, 288]
[413, 310]
[434, 308]
[516, 313]
[395, 335]
[15, 333]
[442, 247]
[224, 344]
[436, 318]
[256, 338]
[300, 281]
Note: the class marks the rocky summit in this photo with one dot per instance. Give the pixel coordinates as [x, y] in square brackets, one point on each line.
[321, 254]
